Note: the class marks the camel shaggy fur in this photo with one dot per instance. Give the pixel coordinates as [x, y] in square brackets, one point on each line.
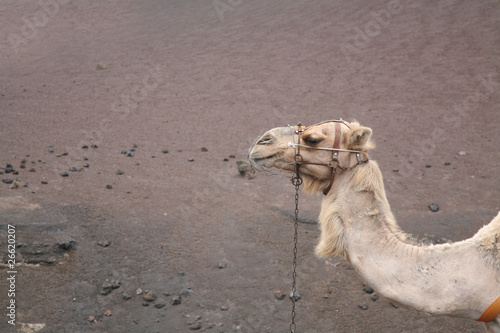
[460, 279]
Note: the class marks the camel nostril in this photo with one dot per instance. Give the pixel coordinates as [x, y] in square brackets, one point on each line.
[266, 139]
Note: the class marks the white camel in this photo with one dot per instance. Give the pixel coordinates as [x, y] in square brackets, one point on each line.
[460, 279]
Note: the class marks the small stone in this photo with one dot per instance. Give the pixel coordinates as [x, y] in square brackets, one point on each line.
[8, 181]
[124, 152]
[428, 165]
[165, 151]
[224, 307]
[91, 319]
[245, 169]
[106, 288]
[85, 147]
[191, 160]
[176, 300]
[395, 170]
[145, 303]
[203, 149]
[394, 305]
[232, 156]
[186, 292]
[86, 165]
[51, 151]
[109, 187]
[195, 326]
[130, 154]
[447, 163]
[32, 170]
[139, 291]
[374, 297]
[44, 182]
[115, 284]
[434, 207]
[120, 172]
[226, 159]
[363, 306]
[64, 174]
[148, 295]
[108, 313]
[222, 265]
[160, 305]
[85, 158]
[279, 295]
[462, 153]
[295, 296]
[368, 289]
[104, 243]
[331, 290]
[15, 184]
[73, 169]
[126, 296]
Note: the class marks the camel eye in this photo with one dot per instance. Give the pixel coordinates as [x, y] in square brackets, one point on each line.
[312, 141]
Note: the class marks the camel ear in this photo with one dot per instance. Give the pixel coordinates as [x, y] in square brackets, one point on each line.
[359, 138]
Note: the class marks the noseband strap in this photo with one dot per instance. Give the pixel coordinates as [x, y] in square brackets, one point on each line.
[334, 162]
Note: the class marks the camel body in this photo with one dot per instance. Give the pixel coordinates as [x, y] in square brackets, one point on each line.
[460, 279]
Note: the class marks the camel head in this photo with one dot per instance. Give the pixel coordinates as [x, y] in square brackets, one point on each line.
[277, 149]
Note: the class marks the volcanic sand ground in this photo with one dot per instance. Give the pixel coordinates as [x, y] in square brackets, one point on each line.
[182, 76]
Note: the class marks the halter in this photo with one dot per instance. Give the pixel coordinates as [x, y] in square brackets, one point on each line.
[334, 162]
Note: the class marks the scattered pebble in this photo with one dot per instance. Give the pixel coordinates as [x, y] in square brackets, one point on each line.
[279, 295]
[203, 149]
[91, 319]
[120, 172]
[295, 296]
[226, 159]
[44, 182]
[148, 295]
[139, 291]
[85, 147]
[245, 169]
[165, 151]
[73, 169]
[195, 326]
[64, 174]
[176, 300]
[86, 165]
[124, 152]
[462, 153]
[222, 265]
[109, 187]
[186, 292]
[428, 165]
[106, 288]
[160, 305]
[232, 156]
[126, 296]
[374, 297]
[447, 163]
[145, 303]
[130, 154]
[368, 289]
[434, 207]
[108, 313]
[32, 170]
[8, 181]
[363, 306]
[104, 243]
[224, 307]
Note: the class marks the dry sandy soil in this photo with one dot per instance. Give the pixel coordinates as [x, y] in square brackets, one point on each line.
[186, 75]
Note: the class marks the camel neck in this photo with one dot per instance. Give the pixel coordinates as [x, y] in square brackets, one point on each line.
[420, 277]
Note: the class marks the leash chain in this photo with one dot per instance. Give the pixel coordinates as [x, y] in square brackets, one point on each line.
[296, 181]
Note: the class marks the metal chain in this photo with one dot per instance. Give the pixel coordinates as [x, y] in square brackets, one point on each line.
[296, 181]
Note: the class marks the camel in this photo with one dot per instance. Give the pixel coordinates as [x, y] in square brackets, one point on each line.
[460, 279]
